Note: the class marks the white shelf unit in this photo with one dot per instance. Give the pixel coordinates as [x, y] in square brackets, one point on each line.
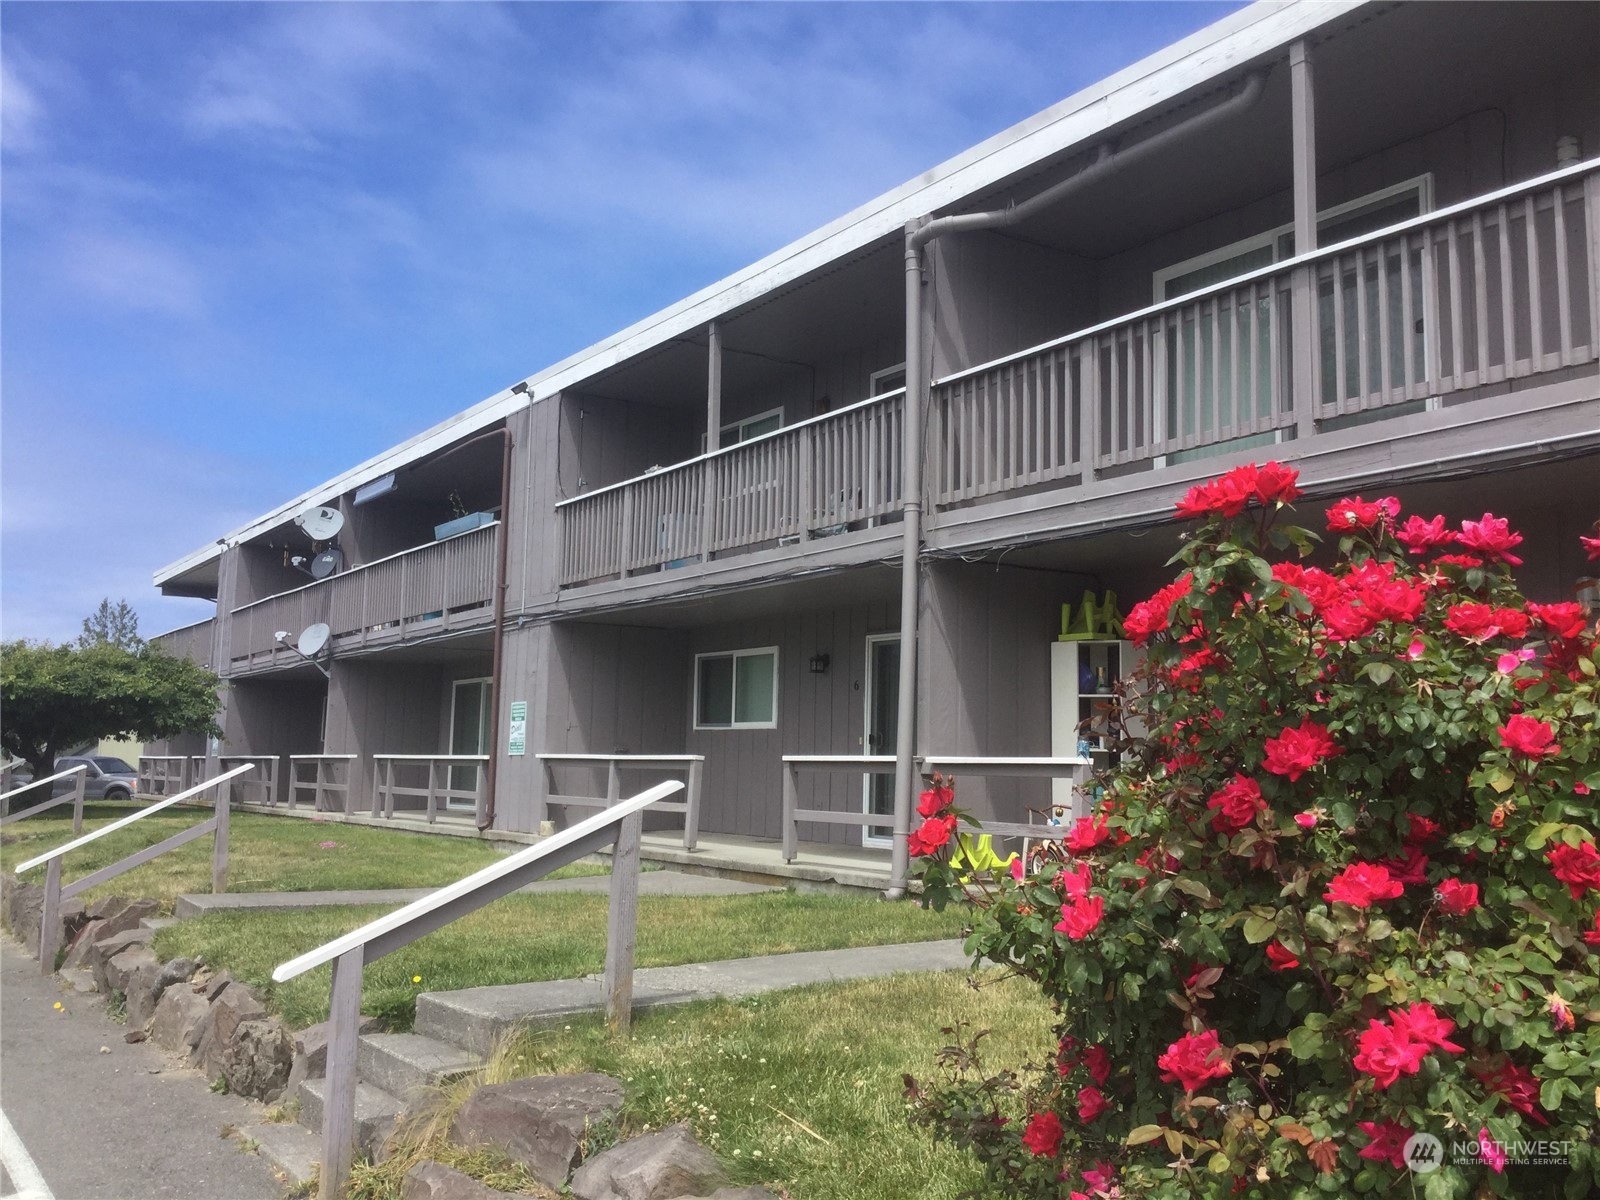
[1073, 665]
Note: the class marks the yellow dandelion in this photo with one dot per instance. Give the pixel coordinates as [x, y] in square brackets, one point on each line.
[416, 979]
[58, 1006]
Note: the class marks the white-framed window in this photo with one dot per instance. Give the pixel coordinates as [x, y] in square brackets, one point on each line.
[1387, 206]
[737, 689]
[751, 427]
[887, 380]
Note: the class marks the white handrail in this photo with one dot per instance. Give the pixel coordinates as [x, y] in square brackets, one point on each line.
[4, 796]
[465, 887]
[129, 820]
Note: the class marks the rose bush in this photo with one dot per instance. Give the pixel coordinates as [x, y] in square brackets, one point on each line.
[1344, 891]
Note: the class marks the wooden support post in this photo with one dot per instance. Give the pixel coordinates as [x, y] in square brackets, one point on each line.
[1306, 375]
[713, 387]
[543, 784]
[691, 815]
[613, 783]
[339, 1095]
[77, 804]
[219, 842]
[620, 924]
[791, 801]
[50, 918]
[433, 790]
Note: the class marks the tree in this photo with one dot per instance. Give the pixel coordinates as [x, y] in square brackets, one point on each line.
[56, 697]
[111, 626]
[1344, 895]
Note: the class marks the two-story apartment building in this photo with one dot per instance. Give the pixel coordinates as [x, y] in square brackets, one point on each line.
[833, 504]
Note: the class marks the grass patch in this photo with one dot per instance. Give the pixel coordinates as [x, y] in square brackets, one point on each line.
[799, 1091]
[522, 938]
[265, 854]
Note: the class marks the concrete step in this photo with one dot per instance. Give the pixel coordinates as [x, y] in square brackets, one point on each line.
[151, 924]
[293, 1150]
[376, 1111]
[404, 1064]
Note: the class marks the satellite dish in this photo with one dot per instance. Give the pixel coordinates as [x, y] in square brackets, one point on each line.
[327, 563]
[321, 524]
[313, 639]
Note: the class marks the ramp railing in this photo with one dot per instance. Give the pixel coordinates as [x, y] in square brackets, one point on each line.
[54, 893]
[74, 798]
[618, 826]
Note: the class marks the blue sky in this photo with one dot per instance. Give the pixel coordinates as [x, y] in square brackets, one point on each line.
[246, 246]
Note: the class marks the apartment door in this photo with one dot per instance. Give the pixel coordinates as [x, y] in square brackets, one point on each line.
[882, 728]
[469, 734]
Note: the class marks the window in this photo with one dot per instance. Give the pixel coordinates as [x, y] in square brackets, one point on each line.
[751, 427]
[737, 690]
[887, 380]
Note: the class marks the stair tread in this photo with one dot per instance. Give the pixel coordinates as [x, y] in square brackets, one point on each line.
[292, 1149]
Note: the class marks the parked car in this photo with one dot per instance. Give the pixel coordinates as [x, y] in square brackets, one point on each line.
[106, 779]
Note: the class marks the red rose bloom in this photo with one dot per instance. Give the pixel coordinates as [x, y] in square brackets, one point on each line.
[1457, 898]
[1592, 937]
[1276, 482]
[1529, 737]
[1490, 537]
[1043, 1135]
[1281, 957]
[1074, 881]
[1236, 804]
[1516, 1087]
[1576, 866]
[1080, 916]
[1097, 1061]
[1357, 513]
[1591, 547]
[1564, 620]
[1361, 884]
[1194, 1060]
[1422, 1023]
[1420, 536]
[1153, 616]
[1480, 622]
[1420, 830]
[1091, 1104]
[933, 833]
[1388, 1053]
[1410, 868]
[1295, 751]
[1388, 1142]
[935, 800]
[1087, 834]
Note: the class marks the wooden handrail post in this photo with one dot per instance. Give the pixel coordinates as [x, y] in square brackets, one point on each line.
[433, 790]
[221, 807]
[613, 783]
[77, 804]
[691, 815]
[339, 1098]
[621, 921]
[543, 785]
[791, 801]
[50, 918]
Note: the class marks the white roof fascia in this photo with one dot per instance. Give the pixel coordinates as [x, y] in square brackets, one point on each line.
[1155, 80]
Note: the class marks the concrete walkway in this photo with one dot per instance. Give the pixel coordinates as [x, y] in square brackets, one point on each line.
[651, 883]
[103, 1120]
[475, 1017]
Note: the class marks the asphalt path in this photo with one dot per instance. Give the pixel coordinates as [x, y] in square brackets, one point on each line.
[128, 1124]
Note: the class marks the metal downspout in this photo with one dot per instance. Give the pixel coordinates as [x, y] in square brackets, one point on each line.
[918, 234]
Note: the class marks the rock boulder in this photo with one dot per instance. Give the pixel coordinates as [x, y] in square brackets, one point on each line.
[435, 1181]
[178, 1020]
[666, 1165]
[231, 1006]
[540, 1122]
[256, 1061]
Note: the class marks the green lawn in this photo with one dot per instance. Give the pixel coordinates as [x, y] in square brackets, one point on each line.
[553, 936]
[799, 1091]
[265, 854]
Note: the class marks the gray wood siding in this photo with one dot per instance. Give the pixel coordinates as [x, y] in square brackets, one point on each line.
[817, 714]
[377, 707]
[279, 717]
[524, 676]
[993, 295]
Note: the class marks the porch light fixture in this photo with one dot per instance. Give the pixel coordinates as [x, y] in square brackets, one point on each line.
[381, 486]
[819, 664]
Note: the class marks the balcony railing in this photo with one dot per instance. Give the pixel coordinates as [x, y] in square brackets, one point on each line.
[1496, 289]
[416, 593]
[191, 641]
[1474, 296]
[812, 479]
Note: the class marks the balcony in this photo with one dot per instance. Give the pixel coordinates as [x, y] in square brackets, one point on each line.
[192, 642]
[813, 479]
[419, 593]
[1466, 302]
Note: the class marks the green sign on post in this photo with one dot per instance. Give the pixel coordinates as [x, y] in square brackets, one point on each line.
[517, 743]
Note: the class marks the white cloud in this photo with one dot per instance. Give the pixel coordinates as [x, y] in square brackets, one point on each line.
[21, 111]
[132, 271]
